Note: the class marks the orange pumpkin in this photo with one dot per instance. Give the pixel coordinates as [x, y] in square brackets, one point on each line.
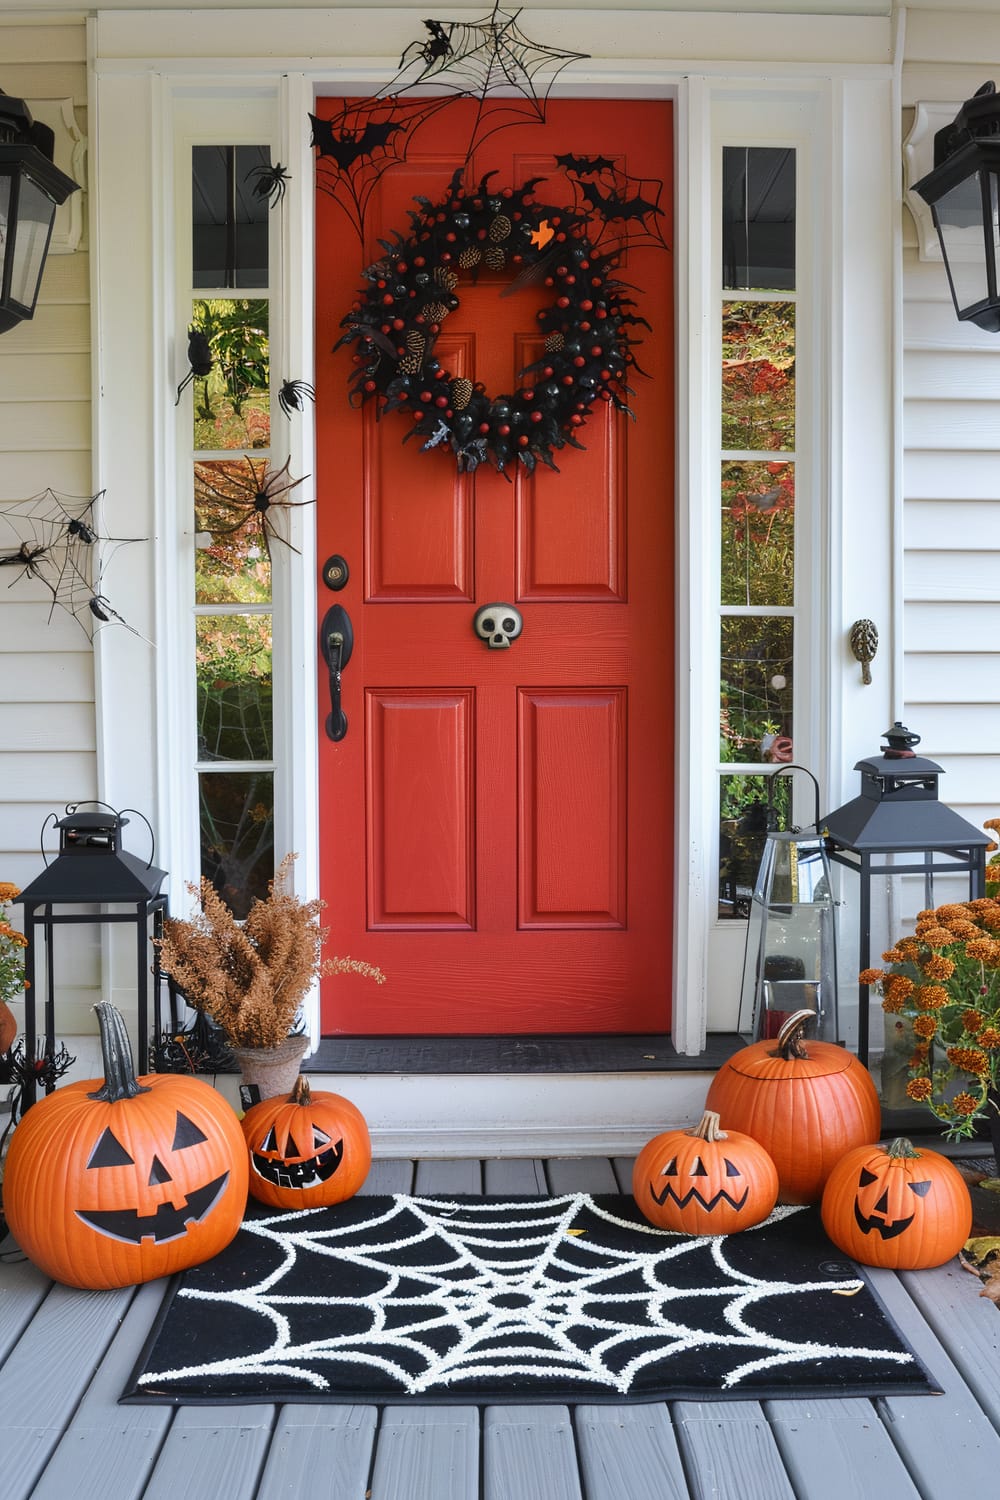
[705, 1180]
[306, 1150]
[898, 1207]
[117, 1181]
[807, 1103]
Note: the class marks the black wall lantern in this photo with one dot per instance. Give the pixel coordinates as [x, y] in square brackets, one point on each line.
[898, 828]
[963, 191]
[31, 189]
[91, 870]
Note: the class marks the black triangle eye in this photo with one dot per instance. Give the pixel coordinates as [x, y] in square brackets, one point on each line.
[186, 1133]
[920, 1188]
[866, 1177]
[698, 1168]
[270, 1141]
[290, 1147]
[731, 1169]
[670, 1170]
[320, 1139]
[109, 1152]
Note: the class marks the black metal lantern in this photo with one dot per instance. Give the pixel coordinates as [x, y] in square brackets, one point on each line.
[895, 831]
[963, 191]
[91, 870]
[31, 189]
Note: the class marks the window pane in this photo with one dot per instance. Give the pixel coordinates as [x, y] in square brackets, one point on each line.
[758, 533]
[742, 829]
[230, 218]
[232, 403]
[758, 218]
[233, 654]
[237, 834]
[232, 561]
[756, 689]
[758, 375]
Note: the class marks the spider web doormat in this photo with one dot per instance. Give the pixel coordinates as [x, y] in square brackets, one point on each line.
[501, 1300]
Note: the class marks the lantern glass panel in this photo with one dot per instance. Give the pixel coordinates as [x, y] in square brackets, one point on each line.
[790, 955]
[969, 243]
[35, 211]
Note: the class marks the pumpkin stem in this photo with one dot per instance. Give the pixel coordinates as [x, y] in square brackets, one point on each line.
[301, 1093]
[707, 1128]
[791, 1042]
[120, 1081]
[901, 1147]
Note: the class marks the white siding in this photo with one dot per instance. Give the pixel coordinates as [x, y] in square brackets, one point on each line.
[47, 719]
[951, 465]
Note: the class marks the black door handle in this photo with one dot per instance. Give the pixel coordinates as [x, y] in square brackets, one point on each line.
[336, 642]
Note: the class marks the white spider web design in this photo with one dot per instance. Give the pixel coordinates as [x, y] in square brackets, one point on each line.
[430, 1296]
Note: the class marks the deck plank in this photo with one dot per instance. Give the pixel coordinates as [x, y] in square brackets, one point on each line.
[427, 1453]
[387, 1174]
[85, 1465]
[581, 1174]
[46, 1373]
[529, 1453]
[721, 1443]
[832, 1449]
[311, 1443]
[629, 1451]
[953, 1303]
[212, 1451]
[22, 1289]
[453, 1175]
[514, 1177]
[939, 1438]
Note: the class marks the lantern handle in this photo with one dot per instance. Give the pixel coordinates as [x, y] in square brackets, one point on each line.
[772, 816]
[152, 836]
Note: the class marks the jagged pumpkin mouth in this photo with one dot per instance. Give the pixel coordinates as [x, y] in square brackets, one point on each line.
[299, 1174]
[694, 1195]
[167, 1223]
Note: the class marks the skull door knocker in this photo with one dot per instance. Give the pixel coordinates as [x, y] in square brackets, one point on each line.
[498, 625]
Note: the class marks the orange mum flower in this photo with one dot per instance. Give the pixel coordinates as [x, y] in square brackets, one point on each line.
[989, 1037]
[919, 1089]
[871, 976]
[964, 1104]
[8, 892]
[930, 996]
[936, 936]
[969, 1059]
[899, 987]
[973, 1021]
[936, 966]
[925, 1026]
[987, 950]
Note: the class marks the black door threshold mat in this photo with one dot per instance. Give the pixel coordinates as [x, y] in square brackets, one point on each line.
[516, 1054]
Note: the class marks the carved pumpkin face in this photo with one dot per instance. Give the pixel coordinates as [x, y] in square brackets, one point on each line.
[115, 1182]
[307, 1150]
[704, 1181]
[897, 1207]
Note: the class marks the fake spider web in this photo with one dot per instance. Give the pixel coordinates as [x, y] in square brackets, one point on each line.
[56, 541]
[428, 1296]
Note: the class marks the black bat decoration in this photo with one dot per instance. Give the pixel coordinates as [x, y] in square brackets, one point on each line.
[585, 166]
[613, 206]
[348, 146]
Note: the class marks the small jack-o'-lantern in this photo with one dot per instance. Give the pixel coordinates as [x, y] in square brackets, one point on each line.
[307, 1150]
[117, 1181]
[704, 1181]
[897, 1207]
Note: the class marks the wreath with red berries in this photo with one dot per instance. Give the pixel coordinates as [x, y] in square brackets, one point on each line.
[410, 291]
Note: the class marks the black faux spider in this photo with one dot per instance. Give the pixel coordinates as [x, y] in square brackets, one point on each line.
[272, 182]
[27, 557]
[251, 496]
[434, 48]
[293, 394]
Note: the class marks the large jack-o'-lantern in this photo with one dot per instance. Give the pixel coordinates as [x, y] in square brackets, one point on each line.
[705, 1180]
[307, 1150]
[897, 1207]
[117, 1181]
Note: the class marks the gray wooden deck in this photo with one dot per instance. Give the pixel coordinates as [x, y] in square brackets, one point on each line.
[64, 1356]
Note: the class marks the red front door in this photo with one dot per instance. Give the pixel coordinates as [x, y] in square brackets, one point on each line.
[496, 823]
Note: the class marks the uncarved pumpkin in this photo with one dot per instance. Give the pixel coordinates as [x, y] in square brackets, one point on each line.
[705, 1180]
[117, 1181]
[307, 1150]
[897, 1206]
[807, 1103]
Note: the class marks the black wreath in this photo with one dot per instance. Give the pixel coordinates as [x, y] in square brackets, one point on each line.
[412, 289]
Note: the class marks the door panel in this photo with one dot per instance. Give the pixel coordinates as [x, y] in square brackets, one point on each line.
[496, 822]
